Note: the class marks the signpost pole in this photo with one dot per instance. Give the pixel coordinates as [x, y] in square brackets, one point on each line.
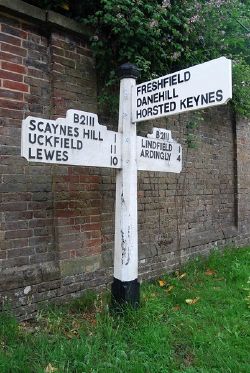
[125, 288]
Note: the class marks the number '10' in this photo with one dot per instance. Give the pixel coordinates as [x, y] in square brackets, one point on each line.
[113, 161]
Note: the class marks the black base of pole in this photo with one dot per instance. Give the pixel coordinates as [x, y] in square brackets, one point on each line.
[124, 293]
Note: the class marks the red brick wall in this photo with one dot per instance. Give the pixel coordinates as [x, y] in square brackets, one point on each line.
[50, 215]
[57, 222]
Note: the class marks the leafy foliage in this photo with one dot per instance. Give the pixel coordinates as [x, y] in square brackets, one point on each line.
[164, 36]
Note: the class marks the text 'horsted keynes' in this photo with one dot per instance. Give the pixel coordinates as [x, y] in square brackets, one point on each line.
[205, 85]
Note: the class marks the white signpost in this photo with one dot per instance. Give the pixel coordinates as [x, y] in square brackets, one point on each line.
[159, 152]
[198, 87]
[79, 139]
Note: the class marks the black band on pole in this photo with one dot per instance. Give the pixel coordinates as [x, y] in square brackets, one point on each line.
[125, 293]
[128, 70]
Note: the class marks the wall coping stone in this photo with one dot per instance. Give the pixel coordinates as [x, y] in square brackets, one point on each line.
[58, 20]
[53, 19]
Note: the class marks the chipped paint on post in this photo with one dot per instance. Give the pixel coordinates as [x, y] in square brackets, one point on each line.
[126, 241]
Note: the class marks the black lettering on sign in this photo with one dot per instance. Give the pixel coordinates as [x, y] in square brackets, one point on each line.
[187, 76]
[32, 126]
[40, 139]
[39, 126]
[49, 154]
[204, 99]
[30, 154]
[76, 118]
[48, 141]
[92, 135]
[63, 130]
[219, 95]
[190, 102]
[183, 104]
[54, 126]
[211, 97]
[150, 111]
[179, 156]
[66, 143]
[39, 154]
[58, 156]
[32, 139]
[196, 99]
[70, 131]
[65, 156]
[113, 161]
[84, 120]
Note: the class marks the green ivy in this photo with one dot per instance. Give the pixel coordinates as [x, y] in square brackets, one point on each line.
[163, 36]
[241, 88]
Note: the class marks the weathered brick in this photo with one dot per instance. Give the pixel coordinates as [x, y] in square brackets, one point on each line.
[14, 31]
[10, 76]
[10, 39]
[18, 51]
[16, 68]
[13, 206]
[13, 105]
[16, 253]
[22, 233]
[30, 45]
[13, 95]
[37, 64]
[16, 86]
[10, 57]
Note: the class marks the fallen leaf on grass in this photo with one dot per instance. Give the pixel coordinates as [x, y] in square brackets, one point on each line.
[176, 308]
[192, 301]
[170, 288]
[181, 276]
[162, 283]
[50, 369]
[210, 272]
[72, 334]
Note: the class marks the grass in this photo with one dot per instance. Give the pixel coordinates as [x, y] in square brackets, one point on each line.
[195, 320]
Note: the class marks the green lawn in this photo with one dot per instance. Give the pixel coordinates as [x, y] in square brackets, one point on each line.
[196, 320]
